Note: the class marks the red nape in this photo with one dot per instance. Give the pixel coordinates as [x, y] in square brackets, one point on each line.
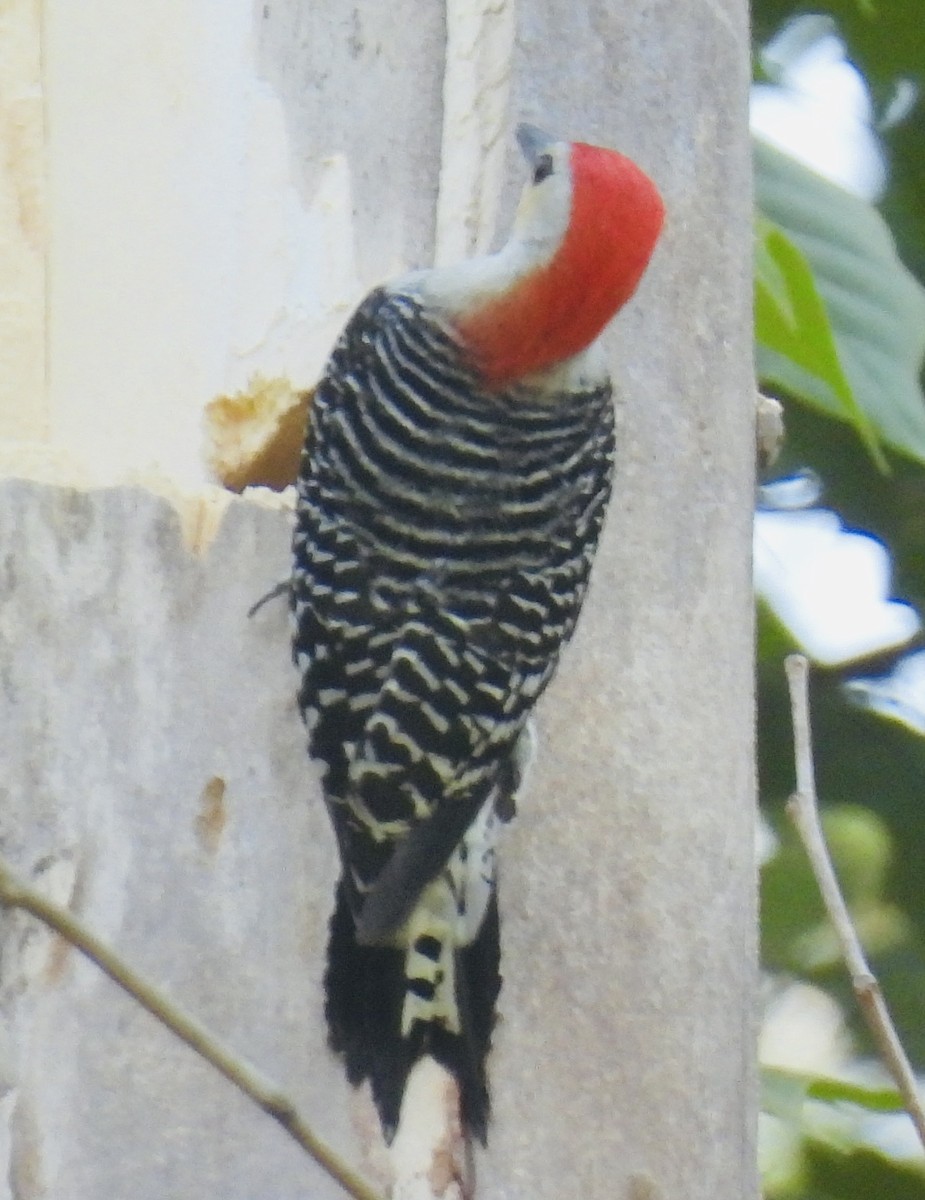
[559, 309]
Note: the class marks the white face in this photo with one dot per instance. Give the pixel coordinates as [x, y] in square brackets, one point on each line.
[539, 227]
[545, 203]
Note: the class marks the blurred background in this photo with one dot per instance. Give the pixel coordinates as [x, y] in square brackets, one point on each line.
[838, 120]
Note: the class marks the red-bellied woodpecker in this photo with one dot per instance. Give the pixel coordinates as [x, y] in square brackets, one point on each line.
[452, 488]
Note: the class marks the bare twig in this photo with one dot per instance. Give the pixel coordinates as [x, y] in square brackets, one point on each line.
[803, 809]
[15, 893]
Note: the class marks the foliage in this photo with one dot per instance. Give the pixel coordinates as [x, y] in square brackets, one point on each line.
[840, 333]
[840, 323]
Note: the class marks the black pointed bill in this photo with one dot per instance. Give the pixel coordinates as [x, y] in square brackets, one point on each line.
[533, 141]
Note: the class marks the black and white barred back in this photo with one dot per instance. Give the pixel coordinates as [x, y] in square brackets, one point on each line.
[443, 542]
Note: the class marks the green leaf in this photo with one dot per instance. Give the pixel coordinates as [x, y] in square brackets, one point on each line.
[791, 321]
[883, 1099]
[859, 1173]
[773, 640]
[784, 1090]
[874, 306]
[768, 274]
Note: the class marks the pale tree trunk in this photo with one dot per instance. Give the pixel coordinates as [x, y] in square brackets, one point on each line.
[221, 182]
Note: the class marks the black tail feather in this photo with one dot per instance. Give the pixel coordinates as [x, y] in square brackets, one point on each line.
[365, 992]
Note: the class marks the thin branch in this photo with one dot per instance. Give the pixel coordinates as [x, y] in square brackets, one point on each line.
[803, 809]
[15, 893]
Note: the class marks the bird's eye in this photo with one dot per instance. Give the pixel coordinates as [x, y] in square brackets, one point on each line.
[543, 168]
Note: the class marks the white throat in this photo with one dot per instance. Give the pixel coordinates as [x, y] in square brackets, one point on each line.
[539, 228]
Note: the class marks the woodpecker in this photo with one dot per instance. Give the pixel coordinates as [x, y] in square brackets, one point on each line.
[454, 479]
